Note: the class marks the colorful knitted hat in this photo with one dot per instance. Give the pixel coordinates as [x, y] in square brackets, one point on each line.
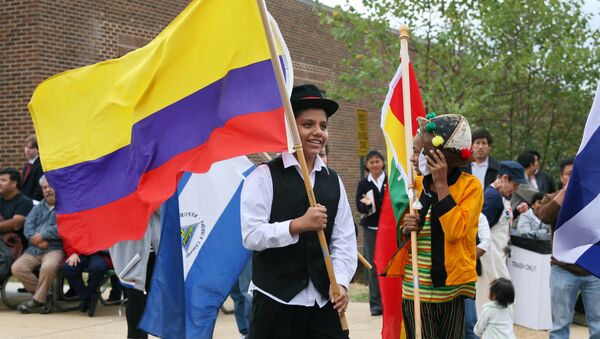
[451, 132]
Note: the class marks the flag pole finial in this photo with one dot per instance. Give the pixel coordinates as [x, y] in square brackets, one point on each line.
[404, 32]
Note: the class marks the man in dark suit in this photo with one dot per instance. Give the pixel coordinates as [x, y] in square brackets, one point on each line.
[543, 181]
[32, 171]
[485, 168]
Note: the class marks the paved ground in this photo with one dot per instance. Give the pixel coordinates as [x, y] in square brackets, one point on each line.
[108, 323]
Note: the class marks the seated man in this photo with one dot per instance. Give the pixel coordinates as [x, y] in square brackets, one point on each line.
[96, 264]
[14, 207]
[45, 250]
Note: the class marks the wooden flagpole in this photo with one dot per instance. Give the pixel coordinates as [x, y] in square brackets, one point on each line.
[289, 115]
[405, 61]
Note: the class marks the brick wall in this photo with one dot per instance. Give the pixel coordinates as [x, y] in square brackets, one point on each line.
[39, 38]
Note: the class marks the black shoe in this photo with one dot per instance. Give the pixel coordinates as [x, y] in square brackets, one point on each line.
[83, 305]
[47, 308]
[92, 305]
[30, 306]
[70, 293]
[116, 296]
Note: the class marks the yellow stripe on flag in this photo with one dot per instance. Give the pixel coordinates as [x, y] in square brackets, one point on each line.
[394, 133]
[86, 113]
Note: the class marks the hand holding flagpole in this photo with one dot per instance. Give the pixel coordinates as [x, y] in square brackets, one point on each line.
[289, 115]
[405, 61]
[266, 157]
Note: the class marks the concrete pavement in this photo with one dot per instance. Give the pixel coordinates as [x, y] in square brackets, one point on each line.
[108, 323]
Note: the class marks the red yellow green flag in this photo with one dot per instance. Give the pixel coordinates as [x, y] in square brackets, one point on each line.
[396, 200]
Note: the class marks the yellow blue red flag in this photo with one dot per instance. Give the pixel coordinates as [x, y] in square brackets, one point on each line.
[115, 136]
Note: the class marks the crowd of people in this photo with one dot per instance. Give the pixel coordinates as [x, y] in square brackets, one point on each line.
[470, 205]
[32, 251]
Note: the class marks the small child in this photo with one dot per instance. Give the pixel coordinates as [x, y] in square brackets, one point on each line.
[496, 318]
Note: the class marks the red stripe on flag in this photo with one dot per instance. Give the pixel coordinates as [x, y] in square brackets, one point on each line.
[397, 101]
[390, 287]
[127, 218]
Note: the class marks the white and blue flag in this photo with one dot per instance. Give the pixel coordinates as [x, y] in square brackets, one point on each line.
[201, 254]
[577, 231]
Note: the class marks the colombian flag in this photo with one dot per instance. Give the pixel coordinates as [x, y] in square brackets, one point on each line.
[115, 136]
[395, 200]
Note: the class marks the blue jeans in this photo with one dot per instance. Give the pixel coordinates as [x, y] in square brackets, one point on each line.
[242, 301]
[470, 318]
[244, 281]
[564, 287]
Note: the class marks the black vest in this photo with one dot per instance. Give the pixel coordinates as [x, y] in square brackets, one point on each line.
[285, 271]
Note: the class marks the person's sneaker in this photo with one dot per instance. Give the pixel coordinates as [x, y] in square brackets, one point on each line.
[92, 305]
[30, 306]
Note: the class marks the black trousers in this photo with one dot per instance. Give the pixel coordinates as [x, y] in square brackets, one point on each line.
[370, 237]
[272, 320]
[136, 303]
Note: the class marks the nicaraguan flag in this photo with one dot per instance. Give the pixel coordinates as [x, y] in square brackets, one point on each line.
[201, 253]
[577, 232]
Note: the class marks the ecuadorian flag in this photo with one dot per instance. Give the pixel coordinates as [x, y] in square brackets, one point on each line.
[115, 136]
[395, 199]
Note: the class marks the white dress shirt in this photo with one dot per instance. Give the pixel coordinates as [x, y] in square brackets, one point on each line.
[483, 231]
[479, 170]
[378, 182]
[258, 234]
[31, 161]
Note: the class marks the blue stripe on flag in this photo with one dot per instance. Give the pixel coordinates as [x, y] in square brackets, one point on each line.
[185, 177]
[584, 185]
[215, 270]
[164, 315]
[589, 260]
[188, 309]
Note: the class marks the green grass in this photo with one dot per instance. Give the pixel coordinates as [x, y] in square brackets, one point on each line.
[359, 293]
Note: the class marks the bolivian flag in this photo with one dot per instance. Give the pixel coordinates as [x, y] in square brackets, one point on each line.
[395, 200]
[115, 136]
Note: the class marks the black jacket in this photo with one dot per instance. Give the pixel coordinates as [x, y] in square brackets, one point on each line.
[545, 183]
[490, 174]
[364, 185]
[30, 185]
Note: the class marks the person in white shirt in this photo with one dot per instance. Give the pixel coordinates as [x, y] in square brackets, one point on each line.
[485, 168]
[369, 197]
[292, 296]
[496, 320]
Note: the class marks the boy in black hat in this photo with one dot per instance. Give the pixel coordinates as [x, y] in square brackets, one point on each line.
[292, 294]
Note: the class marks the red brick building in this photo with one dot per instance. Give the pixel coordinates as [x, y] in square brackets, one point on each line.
[39, 38]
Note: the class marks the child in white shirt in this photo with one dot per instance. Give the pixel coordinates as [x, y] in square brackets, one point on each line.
[496, 318]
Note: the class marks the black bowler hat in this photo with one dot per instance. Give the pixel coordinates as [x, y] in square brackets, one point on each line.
[310, 96]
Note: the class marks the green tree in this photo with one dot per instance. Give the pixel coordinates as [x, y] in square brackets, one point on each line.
[525, 69]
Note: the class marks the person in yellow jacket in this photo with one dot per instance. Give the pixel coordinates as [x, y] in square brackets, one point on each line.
[451, 202]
